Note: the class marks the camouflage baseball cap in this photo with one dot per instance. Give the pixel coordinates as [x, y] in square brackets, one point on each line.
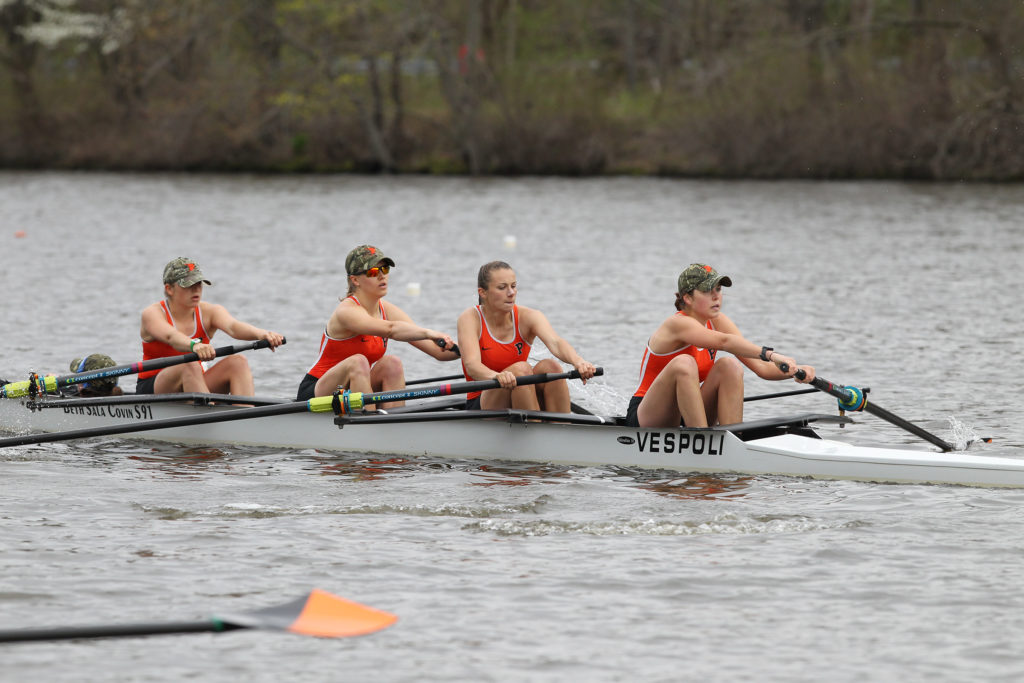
[96, 361]
[364, 257]
[702, 277]
[184, 272]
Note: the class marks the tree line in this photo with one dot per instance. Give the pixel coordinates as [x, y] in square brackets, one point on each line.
[927, 89]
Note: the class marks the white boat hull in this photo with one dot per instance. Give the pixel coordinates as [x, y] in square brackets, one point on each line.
[682, 450]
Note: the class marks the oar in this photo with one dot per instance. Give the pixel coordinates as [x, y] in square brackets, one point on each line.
[52, 383]
[339, 403]
[795, 392]
[853, 399]
[319, 614]
[428, 380]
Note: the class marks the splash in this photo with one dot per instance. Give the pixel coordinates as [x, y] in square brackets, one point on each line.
[598, 397]
[961, 435]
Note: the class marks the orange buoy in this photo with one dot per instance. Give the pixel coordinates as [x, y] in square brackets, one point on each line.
[19, 233]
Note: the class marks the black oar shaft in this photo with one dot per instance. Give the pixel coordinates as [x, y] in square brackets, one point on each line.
[842, 393]
[156, 363]
[781, 394]
[168, 423]
[357, 401]
[51, 383]
[429, 380]
[114, 631]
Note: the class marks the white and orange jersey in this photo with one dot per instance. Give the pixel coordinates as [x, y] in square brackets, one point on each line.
[333, 351]
[496, 354]
[158, 349]
[653, 363]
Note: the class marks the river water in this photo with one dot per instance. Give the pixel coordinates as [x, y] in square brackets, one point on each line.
[502, 572]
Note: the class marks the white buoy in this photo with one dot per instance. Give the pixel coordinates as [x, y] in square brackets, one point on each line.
[413, 289]
[510, 242]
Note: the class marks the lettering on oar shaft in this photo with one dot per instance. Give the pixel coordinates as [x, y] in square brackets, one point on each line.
[139, 412]
[695, 443]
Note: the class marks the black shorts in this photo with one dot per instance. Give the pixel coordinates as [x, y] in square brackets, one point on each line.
[145, 386]
[631, 413]
[307, 388]
[473, 403]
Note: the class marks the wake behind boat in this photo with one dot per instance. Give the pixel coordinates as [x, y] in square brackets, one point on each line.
[786, 446]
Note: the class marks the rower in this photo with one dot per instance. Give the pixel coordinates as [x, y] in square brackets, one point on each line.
[681, 377]
[183, 323]
[496, 337]
[353, 348]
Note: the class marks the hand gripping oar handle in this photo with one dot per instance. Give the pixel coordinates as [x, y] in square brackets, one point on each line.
[349, 401]
[338, 403]
[851, 398]
[52, 383]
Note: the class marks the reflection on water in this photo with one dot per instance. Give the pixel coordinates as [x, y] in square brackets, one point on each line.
[185, 462]
[701, 486]
[511, 474]
[369, 469]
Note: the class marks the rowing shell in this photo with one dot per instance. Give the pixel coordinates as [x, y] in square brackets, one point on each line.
[783, 446]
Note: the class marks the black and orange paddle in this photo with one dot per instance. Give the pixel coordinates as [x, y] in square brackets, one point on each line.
[318, 614]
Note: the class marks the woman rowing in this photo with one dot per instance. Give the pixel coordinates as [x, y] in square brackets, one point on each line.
[183, 323]
[496, 337]
[355, 341]
[680, 376]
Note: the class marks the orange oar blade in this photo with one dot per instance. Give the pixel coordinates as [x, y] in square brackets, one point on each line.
[318, 614]
[329, 616]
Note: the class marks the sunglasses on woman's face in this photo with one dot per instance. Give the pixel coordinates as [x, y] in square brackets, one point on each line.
[377, 270]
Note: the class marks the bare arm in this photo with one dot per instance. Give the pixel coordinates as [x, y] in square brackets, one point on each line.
[156, 328]
[536, 323]
[350, 319]
[728, 338]
[437, 344]
[219, 319]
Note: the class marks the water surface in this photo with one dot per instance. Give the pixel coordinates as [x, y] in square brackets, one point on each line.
[501, 571]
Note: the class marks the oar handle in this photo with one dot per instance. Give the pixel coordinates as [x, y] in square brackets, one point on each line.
[454, 347]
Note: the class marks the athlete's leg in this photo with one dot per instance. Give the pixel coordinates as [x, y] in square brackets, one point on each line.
[552, 396]
[231, 375]
[674, 393]
[388, 374]
[521, 398]
[353, 374]
[722, 392]
[178, 378]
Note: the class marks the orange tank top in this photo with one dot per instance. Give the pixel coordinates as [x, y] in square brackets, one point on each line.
[158, 349]
[498, 355]
[653, 363]
[333, 351]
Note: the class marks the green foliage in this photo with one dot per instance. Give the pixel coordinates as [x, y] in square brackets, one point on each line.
[763, 88]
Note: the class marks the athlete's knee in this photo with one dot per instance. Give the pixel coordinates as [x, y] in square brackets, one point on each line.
[358, 366]
[730, 367]
[520, 369]
[683, 367]
[191, 371]
[235, 364]
[547, 365]
[391, 366]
